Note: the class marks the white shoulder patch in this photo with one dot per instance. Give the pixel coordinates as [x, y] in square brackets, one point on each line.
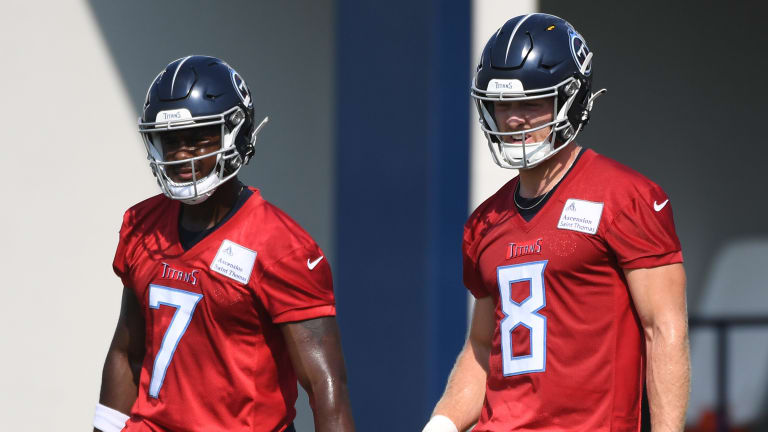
[580, 215]
[234, 261]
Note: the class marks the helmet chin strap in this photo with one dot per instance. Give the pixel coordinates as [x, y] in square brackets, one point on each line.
[205, 187]
[515, 154]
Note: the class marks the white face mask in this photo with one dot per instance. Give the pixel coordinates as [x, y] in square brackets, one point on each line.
[191, 192]
[228, 159]
[526, 155]
[195, 193]
[521, 155]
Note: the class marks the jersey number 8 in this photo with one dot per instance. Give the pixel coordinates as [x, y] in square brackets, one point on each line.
[524, 313]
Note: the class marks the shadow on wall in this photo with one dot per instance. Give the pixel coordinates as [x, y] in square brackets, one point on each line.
[736, 287]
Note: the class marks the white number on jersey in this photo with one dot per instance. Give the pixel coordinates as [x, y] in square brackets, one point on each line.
[185, 303]
[525, 314]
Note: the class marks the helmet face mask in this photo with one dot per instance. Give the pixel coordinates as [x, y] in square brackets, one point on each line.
[198, 189]
[532, 57]
[525, 155]
[191, 93]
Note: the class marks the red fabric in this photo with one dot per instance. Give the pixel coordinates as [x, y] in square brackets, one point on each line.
[230, 369]
[594, 357]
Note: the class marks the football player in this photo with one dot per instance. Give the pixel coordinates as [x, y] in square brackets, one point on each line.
[575, 264]
[226, 300]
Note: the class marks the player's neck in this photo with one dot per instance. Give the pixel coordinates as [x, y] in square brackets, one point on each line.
[542, 178]
[211, 211]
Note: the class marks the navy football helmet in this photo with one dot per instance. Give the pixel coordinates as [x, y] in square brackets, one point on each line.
[198, 91]
[534, 56]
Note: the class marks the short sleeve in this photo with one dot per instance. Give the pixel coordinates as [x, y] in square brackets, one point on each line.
[120, 262]
[472, 277]
[298, 286]
[643, 234]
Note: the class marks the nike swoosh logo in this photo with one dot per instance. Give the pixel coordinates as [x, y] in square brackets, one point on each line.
[658, 207]
[313, 264]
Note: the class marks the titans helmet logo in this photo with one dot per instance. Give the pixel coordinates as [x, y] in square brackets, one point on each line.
[242, 89]
[579, 50]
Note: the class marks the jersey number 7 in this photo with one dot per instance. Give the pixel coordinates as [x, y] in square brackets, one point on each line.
[524, 313]
[185, 303]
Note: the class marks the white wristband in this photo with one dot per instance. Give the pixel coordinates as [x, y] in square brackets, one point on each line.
[440, 423]
[107, 419]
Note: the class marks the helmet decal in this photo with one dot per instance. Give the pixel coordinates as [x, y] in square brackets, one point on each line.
[149, 90]
[242, 89]
[512, 36]
[176, 72]
[579, 50]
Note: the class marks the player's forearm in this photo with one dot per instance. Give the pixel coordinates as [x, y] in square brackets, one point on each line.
[465, 392]
[119, 382]
[330, 406]
[122, 366]
[668, 376]
[315, 349]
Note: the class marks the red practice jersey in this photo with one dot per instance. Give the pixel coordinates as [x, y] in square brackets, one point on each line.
[568, 349]
[215, 358]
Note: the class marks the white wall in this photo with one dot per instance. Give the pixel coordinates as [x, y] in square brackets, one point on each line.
[70, 153]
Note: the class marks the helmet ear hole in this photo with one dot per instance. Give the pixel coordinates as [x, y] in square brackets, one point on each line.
[566, 133]
[235, 119]
[572, 88]
[234, 164]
